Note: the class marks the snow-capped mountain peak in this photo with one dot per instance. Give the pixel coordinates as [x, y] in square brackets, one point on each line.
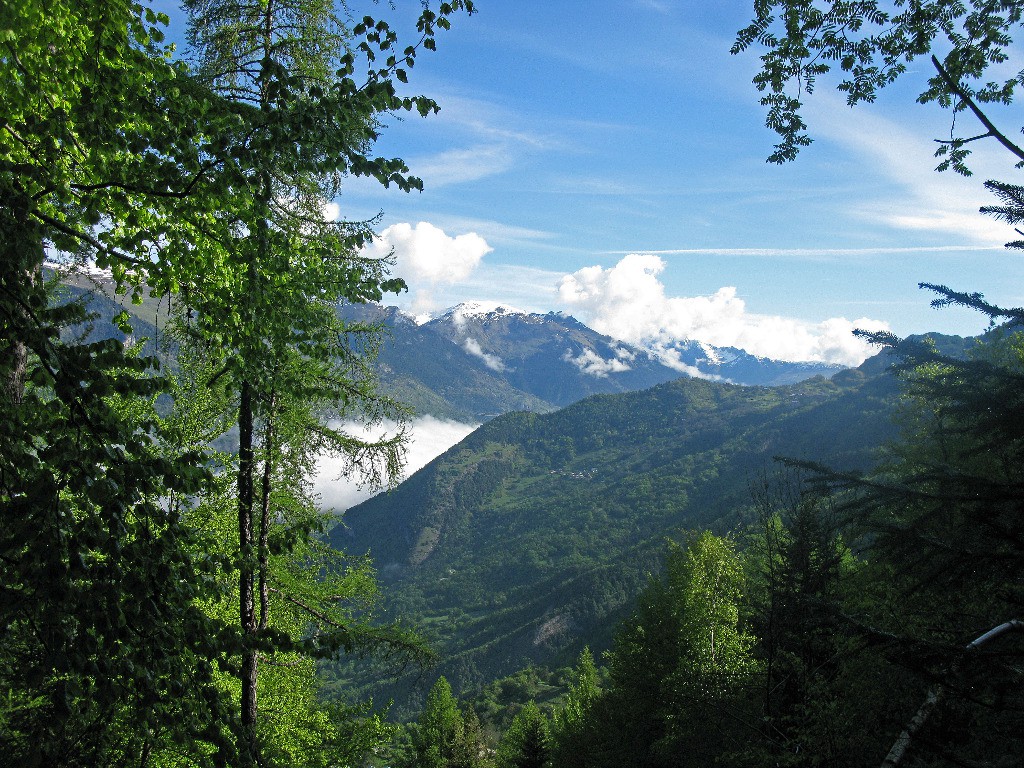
[481, 310]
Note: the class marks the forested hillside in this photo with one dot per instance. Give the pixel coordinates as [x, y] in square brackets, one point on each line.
[532, 536]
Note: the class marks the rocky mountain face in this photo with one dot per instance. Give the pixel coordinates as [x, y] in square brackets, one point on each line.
[474, 362]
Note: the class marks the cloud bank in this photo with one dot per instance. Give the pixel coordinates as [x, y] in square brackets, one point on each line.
[428, 438]
[628, 302]
[426, 258]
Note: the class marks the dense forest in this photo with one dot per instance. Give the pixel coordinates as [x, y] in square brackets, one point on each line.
[170, 601]
[531, 537]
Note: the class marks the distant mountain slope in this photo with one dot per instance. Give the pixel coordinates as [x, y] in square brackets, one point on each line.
[98, 295]
[473, 363]
[532, 535]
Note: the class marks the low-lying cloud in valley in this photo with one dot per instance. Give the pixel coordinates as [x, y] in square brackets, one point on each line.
[628, 302]
[428, 438]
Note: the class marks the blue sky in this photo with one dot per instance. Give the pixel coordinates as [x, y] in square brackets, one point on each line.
[607, 159]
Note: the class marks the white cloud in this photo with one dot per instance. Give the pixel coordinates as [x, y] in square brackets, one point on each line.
[672, 358]
[493, 362]
[428, 438]
[628, 302]
[458, 166]
[426, 257]
[589, 362]
[331, 211]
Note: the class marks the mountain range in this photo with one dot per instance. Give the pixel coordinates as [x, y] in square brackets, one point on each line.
[531, 537]
[474, 362]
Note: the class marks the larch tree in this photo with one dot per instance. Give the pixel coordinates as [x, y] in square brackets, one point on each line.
[112, 153]
[303, 122]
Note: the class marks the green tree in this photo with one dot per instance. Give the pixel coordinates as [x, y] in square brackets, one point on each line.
[526, 743]
[111, 152]
[103, 643]
[313, 599]
[439, 738]
[572, 728]
[943, 511]
[821, 703]
[302, 123]
[680, 668]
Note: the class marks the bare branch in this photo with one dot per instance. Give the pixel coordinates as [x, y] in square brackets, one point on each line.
[938, 693]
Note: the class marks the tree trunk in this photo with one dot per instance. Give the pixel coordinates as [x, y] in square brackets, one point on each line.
[264, 545]
[246, 598]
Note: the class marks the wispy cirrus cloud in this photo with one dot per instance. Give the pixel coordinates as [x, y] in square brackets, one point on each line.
[484, 139]
[813, 253]
[459, 166]
[920, 200]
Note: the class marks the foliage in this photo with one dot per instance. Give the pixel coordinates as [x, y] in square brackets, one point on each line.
[88, 676]
[110, 152]
[676, 670]
[872, 43]
[526, 742]
[572, 727]
[944, 514]
[104, 647]
[313, 599]
[444, 737]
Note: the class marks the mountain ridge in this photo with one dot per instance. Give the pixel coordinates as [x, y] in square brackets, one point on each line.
[479, 360]
[530, 537]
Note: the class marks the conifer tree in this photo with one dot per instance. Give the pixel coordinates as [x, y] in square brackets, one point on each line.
[439, 737]
[302, 123]
[572, 729]
[526, 743]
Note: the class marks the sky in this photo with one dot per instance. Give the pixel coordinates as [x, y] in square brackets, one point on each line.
[607, 159]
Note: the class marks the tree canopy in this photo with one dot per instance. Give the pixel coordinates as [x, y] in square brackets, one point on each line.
[206, 183]
[970, 45]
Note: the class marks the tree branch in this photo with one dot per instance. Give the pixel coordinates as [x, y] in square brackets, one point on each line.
[938, 693]
[965, 97]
